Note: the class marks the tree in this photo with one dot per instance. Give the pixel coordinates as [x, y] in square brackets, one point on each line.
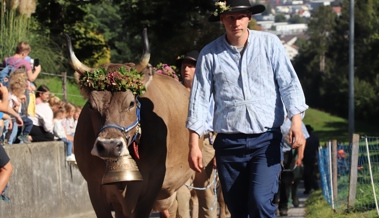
[280, 18]
[56, 17]
[296, 19]
[174, 26]
[314, 64]
[327, 51]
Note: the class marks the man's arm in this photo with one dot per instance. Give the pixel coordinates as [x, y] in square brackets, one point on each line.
[195, 157]
[300, 155]
[296, 135]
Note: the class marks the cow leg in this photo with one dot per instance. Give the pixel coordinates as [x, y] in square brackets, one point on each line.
[98, 200]
[118, 210]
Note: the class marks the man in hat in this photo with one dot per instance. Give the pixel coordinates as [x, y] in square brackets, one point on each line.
[207, 206]
[252, 81]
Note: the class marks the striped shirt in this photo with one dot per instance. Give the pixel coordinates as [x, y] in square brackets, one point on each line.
[249, 90]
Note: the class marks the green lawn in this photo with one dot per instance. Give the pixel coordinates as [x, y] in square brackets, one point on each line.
[329, 127]
[55, 85]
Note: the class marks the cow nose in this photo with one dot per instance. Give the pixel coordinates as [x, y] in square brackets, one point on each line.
[109, 148]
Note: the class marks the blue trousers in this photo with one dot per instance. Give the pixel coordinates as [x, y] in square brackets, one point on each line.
[69, 145]
[249, 169]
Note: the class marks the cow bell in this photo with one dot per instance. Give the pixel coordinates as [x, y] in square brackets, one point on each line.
[121, 170]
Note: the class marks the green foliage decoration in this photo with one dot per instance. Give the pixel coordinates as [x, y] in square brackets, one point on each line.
[116, 81]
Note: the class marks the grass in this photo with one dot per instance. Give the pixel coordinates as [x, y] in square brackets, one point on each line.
[55, 85]
[329, 127]
[317, 207]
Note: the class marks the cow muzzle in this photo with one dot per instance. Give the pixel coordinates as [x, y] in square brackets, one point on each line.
[123, 167]
[121, 170]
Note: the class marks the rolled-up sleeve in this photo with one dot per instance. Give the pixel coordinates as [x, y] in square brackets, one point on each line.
[289, 85]
[198, 107]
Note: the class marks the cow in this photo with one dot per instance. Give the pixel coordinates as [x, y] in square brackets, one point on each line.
[107, 126]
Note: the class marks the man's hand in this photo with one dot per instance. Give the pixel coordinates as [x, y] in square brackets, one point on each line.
[296, 136]
[195, 157]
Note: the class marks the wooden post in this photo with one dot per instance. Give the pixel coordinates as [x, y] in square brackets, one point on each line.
[334, 170]
[64, 86]
[353, 170]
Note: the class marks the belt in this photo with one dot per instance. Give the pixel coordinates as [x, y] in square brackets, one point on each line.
[208, 135]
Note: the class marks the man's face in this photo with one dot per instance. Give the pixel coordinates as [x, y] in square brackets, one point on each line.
[236, 23]
[187, 70]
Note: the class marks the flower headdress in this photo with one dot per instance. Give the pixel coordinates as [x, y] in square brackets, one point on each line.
[116, 81]
[167, 70]
[221, 7]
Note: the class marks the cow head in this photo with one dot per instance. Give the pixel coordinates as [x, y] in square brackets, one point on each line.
[115, 112]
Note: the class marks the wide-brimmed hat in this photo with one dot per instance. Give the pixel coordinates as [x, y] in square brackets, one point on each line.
[191, 56]
[229, 6]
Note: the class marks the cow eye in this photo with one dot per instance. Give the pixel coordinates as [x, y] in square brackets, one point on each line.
[131, 105]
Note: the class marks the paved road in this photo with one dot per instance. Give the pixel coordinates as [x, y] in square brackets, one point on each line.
[299, 211]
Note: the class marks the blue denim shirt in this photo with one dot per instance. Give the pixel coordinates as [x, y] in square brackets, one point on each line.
[249, 91]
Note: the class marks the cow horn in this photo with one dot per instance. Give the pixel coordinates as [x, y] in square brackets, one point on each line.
[146, 54]
[74, 61]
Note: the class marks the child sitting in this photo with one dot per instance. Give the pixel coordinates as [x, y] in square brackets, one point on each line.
[60, 133]
[17, 101]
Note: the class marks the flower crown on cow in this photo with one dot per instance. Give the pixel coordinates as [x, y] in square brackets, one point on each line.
[121, 79]
[116, 81]
[167, 70]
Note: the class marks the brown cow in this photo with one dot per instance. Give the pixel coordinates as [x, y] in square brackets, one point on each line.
[163, 148]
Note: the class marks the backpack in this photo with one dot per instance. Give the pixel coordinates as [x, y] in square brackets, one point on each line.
[6, 71]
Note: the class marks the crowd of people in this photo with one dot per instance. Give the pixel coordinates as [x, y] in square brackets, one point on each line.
[30, 113]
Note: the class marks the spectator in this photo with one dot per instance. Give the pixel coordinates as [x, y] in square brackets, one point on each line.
[32, 99]
[43, 121]
[5, 172]
[18, 59]
[78, 109]
[69, 121]
[310, 161]
[55, 103]
[17, 101]
[5, 164]
[60, 133]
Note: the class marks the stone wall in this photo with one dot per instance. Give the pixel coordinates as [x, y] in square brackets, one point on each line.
[43, 184]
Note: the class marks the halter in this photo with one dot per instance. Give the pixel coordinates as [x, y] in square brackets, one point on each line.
[125, 130]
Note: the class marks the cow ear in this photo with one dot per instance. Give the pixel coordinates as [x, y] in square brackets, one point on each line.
[84, 91]
[148, 74]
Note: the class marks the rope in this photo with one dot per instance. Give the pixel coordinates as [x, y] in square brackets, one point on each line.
[215, 174]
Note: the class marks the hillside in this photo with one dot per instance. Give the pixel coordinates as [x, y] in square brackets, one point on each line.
[329, 127]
